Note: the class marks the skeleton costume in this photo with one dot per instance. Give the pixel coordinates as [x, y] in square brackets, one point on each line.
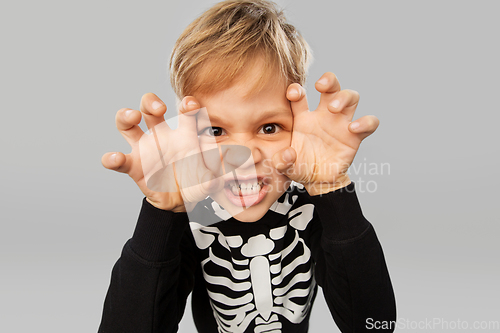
[251, 277]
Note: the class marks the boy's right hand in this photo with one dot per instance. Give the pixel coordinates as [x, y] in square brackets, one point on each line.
[166, 164]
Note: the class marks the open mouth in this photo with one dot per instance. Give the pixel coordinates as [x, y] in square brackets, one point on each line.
[246, 192]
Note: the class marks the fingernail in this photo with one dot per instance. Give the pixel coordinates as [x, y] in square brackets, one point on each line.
[156, 105]
[335, 104]
[287, 156]
[113, 158]
[192, 103]
[294, 93]
[128, 113]
[354, 125]
[323, 81]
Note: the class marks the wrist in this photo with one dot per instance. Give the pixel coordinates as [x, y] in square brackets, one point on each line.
[320, 188]
[169, 207]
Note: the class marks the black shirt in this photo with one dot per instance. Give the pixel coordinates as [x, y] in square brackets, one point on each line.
[251, 277]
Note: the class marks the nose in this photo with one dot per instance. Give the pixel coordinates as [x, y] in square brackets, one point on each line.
[240, 154]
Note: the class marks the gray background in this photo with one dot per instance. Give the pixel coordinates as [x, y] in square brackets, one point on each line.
[428, 70]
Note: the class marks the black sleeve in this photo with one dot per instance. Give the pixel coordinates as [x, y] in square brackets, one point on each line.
[153, 277]
[350, 265]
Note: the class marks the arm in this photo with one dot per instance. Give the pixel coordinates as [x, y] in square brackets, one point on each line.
[153, 277]
[350, 261]
[350, 264]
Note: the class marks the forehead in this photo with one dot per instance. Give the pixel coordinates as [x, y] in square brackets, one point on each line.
[257, 93]
[241, 103]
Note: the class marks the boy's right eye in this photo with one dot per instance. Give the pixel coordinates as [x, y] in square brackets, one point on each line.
[213, 131]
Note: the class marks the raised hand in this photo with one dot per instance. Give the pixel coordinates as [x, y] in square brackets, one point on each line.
[166, 164]
[324, 141]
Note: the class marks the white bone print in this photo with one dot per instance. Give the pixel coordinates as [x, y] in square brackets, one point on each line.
[258, 280]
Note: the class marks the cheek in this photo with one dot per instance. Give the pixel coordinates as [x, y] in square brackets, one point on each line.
[279, 184]
[271, 147]
[211, 157]
[280, 181]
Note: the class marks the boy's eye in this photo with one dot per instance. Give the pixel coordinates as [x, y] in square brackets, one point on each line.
[213, 131]
[270, 129]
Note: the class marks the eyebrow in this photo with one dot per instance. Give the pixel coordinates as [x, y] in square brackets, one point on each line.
[263, 115]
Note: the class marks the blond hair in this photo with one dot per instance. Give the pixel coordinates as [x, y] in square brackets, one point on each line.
[227, 39]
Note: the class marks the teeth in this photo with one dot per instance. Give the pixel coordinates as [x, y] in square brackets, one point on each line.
[245, 188]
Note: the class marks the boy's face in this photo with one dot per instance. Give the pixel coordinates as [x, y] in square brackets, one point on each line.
[260, 121]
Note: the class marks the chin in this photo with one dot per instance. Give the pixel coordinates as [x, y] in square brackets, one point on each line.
[252, 214]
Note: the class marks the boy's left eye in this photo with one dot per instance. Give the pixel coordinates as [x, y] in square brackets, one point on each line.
[270, 129]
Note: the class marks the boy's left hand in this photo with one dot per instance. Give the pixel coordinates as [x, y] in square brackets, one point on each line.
[324, 141]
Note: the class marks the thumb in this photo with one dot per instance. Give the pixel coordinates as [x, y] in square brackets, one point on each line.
[210, 184]
[283, 160]
[199, 183]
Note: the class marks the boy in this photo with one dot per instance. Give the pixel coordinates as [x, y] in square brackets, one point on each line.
[281, 217]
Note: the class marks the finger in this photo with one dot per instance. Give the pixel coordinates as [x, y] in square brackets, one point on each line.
[364, 126]
[153, 109]
[283, 160]
[117, 161]
[345, 101]
[296, 94]
[152, 105]
[187, 113]
[127, 121]
[328, 85]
